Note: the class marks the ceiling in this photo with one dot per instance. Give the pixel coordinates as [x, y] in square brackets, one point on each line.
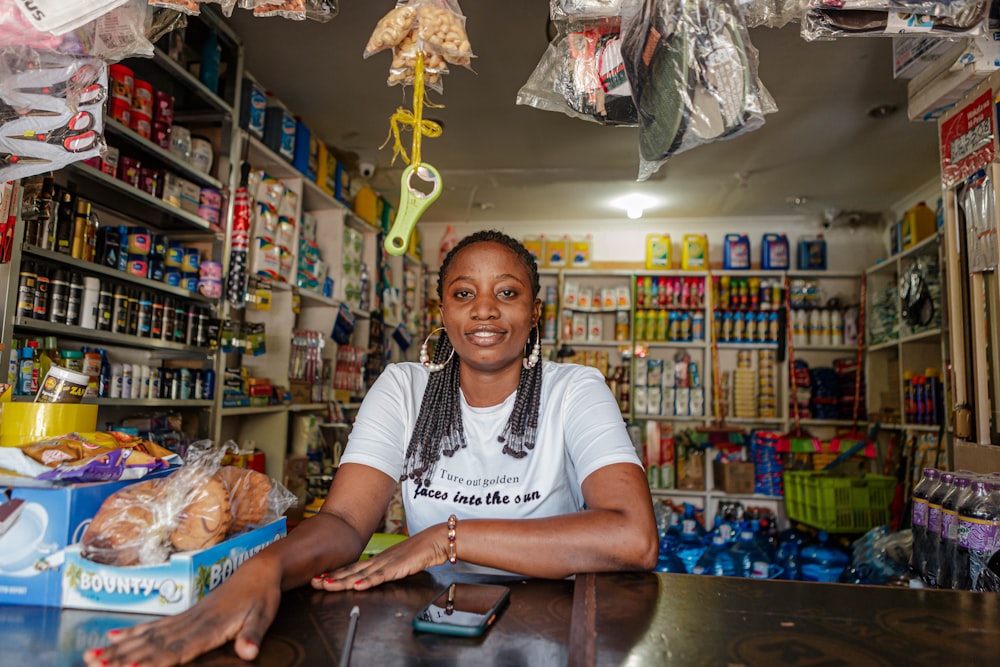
[501, 162]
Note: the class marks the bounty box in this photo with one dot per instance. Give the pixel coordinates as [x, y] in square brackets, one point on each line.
[165, 589]
[53, 516]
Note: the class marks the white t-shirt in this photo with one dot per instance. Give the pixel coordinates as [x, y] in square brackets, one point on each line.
[580, 429]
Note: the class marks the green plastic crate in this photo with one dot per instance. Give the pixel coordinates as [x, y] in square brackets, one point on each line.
[838, 504]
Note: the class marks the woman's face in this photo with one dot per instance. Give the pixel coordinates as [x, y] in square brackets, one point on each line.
[487, 306]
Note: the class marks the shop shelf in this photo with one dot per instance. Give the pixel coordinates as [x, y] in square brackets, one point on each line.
[310, 298]
[678, 493]
[254, 410]
[117, 339]
[669, 273]
[598, 343]
[175, 163]
[831, 422]
[98, 269]
[838, 504]
[921, 335]
[307, 407]
[121, 198]
[745, 273]
[826, 348]
[828, 275]
[883, 346]
[929, 242]
[670, 418]
[190, 82]
[748, 346]
[135, 402]
[670, 344]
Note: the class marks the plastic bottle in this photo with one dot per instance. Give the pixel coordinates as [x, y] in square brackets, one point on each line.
[718, 559]
[934, 526]
[141, 390]
[691, 545]
[12, 366]
[26, 371]
[918, 517]
[968, 533]
[788, 556]
[752, 560]
[104, 381]
[822, 561]
[668, 560]
[211, 58]
[978, 532]
[127, 381]
[948, 544]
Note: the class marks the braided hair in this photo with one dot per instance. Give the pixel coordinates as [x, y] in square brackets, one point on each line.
[439, 428]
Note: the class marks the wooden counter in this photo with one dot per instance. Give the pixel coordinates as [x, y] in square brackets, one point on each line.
[634, 619]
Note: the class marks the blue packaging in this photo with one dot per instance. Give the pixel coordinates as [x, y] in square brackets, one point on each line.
[306, 151]
[253, 108]
[812, 254]
[736, 251]
[342, 191]
[279, 130]
[774, 255]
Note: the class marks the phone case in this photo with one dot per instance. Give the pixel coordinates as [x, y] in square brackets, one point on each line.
[462, 630]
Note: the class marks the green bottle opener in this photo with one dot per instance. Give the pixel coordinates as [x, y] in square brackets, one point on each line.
[412, 204]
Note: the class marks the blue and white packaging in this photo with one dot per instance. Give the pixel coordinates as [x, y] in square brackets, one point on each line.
[165, 589]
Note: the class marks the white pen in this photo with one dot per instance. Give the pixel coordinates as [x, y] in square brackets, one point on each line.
[345, 654]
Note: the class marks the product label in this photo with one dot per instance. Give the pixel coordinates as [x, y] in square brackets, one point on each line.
[934, 519]
[949, 525]
[966, 140]
[920, 512]
[978, 534]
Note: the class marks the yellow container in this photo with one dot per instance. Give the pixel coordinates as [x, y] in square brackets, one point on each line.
[579, 252]
[919, 223]
[533, 244]
[658, 251]
[326, 173]
[366, 205]
[694, 252]
[21, 423]
[555, 251]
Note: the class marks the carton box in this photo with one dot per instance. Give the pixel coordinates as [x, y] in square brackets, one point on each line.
[733, 477]
[165, 589]
[52, 518]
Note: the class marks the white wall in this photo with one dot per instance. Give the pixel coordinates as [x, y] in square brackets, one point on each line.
[623, 240]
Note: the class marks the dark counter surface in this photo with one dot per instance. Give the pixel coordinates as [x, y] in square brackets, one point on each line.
[612, 619]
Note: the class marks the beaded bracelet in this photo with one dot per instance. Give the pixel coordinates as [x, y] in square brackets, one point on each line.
[452, 551]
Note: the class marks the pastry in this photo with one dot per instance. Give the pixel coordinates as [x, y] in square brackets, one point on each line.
[205, 518]
[9, 512]
[121, 527]
[249, 493]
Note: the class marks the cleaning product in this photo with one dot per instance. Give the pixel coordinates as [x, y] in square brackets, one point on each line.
[579, 255]
[694, 252]
[919, 222]
[812, 253]
[556, 251]
[774, 252]
[736, 251]
[658, 251]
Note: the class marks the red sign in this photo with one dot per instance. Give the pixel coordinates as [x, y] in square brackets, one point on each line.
[967, 140]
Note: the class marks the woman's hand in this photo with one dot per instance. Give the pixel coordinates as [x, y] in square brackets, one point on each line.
[241, 609]
[414, 554]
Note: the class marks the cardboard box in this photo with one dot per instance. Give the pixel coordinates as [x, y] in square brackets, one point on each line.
[52, 518]
[733, 477]
[912, 54]
[301, 391]
[165, 589]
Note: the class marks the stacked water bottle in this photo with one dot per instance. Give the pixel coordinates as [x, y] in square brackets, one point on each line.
[956, 530]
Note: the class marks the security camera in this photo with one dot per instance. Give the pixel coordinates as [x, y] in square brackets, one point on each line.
[367, 169]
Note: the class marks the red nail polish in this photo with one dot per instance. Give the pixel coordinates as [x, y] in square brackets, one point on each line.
[115, 632]
[330, 581]
[96, 652]
[358, 582]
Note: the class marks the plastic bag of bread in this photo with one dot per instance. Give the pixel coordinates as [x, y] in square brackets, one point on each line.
[191, 509]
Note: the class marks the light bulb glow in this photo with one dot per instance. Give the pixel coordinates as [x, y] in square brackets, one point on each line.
[634, 212]
[635, 204]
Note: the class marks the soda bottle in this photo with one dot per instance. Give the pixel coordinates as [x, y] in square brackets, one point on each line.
[948, 543]
[823, 561]
[983, 539]
[968, 530]
[668, 560]
[718, 559]
[934, 526]
[918, 556]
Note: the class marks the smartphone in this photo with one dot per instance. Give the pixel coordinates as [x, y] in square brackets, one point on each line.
[463, 610]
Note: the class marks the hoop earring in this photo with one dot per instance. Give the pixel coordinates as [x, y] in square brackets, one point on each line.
[536, 351]
[425, 358]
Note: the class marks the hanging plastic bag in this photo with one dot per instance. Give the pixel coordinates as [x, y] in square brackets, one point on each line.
[121, 33]
[562, 10]
[827, 23]
[189, 7]
[772, 13]
[58, 17]
[582, 74]
[694, 77]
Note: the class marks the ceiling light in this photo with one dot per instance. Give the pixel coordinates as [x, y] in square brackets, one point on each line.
[882, 111]
[634, 204]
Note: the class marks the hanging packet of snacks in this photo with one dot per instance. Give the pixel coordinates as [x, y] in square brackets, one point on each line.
[561, 10]
[59, 17]
[425, 36]
[693, 73]
[582, 74]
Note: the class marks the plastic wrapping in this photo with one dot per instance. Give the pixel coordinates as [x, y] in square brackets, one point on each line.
[979, 205]
[582, 74]
[196, 507]
[186, 6]
[832, 23]
[561, 10]
[956, 8]
[435, 28]
[694, 78]
[772, 13]
[122, 33]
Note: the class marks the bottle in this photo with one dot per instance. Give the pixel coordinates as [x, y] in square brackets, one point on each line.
[154, 382]
[143, 385]
[119, 311]
[918, 517]
[90, 237]
[45, 205]
[934, 526]
[59, 297]
[156, 320]
[133, 312]
[81, 221]
[145, 315]
[89, 303]
[836, 327]
[978, 532]
[127, 381]
[669, 561]
[948, 544]
[74, 304]
[105, 308]
[751, 560]
[718, 559]
[116, 380]
[26, 370]
[64, 224]
[788, 554]
[48, 354]
[13, 367]
[104, 380]
[211, 58]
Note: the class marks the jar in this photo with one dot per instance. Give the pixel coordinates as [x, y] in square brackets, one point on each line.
[122, 82]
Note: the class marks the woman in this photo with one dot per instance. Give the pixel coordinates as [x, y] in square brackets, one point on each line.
[507, 463]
